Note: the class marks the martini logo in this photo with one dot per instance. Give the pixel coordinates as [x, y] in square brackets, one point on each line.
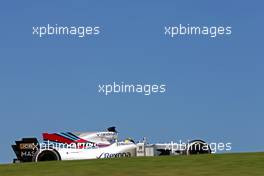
[114, 155]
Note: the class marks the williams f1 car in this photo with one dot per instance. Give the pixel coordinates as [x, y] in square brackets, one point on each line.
[96, 145]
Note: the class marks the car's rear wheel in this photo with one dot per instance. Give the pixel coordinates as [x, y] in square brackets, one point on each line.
[46, 155]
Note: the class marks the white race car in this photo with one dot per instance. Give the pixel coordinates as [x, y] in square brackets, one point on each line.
[95, 145]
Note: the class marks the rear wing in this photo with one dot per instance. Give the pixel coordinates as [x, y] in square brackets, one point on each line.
[25, 149]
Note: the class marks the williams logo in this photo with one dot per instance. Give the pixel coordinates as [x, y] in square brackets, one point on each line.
[114, 155]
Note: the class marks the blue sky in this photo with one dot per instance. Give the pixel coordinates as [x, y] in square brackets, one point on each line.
[214, 86]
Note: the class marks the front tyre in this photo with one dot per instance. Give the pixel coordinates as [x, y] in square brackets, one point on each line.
[197, 147]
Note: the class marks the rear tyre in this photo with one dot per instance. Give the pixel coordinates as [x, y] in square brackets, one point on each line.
[46, 155]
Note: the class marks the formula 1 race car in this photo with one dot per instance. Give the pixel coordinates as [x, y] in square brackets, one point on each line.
[95, 145]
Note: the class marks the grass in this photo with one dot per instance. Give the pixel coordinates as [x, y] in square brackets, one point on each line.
[242, 164]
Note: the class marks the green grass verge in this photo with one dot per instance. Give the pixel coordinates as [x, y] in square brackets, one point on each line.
[240, 164]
